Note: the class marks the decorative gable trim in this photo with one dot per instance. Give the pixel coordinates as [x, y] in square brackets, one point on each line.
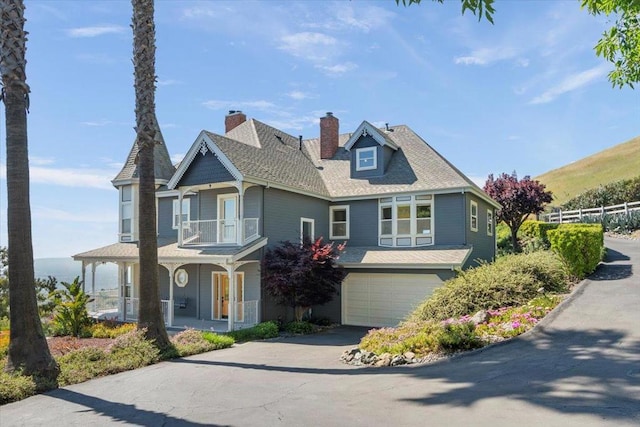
[201, 146]
[367, 129]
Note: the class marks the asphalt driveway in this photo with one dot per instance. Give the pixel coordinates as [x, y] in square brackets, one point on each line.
[580, 367]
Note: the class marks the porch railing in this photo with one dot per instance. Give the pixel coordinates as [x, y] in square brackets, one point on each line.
[219, 232]
[247, 313]
[112, 307]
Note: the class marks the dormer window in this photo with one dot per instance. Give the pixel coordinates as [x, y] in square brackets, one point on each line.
[366, 159]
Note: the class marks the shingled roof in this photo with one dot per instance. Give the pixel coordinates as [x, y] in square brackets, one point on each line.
[415, 166]
[265, 153]
[164, 169]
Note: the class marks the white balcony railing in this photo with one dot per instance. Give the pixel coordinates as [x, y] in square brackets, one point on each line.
[219, 232]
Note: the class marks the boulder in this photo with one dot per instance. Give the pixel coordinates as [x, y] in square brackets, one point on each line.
[480, 317]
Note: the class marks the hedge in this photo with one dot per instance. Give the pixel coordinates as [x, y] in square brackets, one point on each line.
[581, 246]
[537, 230]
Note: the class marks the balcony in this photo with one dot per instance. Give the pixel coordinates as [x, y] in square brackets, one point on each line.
[219, 232]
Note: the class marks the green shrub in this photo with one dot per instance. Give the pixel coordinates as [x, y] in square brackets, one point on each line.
[191, 341]
[218, 341]
[132, 350]
[511, 280]
[503, 239]
[4, 343]
[537, 230]
[110, 329]
[301, 327]
[418, 337]
[71, 317]
[581, 246]
[459, 336]
[15, 387]
[615, 193]
[4, 323]
[261, 331]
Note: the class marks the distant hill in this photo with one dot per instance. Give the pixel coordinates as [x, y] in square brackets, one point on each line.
[613, 164]
[66, 269]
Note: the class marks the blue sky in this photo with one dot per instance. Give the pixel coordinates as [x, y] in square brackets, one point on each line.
[526, 94]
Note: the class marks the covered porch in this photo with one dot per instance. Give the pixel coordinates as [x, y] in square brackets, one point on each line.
[221, 301]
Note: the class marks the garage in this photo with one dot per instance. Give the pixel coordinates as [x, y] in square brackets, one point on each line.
[383, 299]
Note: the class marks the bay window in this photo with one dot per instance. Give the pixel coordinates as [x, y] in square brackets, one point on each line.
[406, 221]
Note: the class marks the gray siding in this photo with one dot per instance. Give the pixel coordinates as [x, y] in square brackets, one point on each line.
[449, 219]
[253, 205]
[282, 213]
[205, 169]
[165, 215]
[364, 142]
[483, 244]
[190, 291]
[363, 222]
[208, 208]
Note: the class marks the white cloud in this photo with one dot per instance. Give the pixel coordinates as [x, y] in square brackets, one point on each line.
[97, 123]
[96, 31]
[337, 69]
[299, 95]
[366, 19]
[68, 177]
[571, 83]
[177, 158]
[87, 178]
[40, 161]
[309, 45]
[169, 82]
[486, 56]
[50, 214]
[262, 105]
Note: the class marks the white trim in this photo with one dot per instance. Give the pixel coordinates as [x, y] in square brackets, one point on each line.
[203, 143]
[176, 211]
[331, 221]
[313, 225]
[365, 129]
[472, 216]
[413, 234]
[360, 152]
[490, 221]
[225, 273]
[219, 215]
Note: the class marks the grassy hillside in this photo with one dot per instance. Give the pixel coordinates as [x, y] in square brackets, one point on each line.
[613, 164]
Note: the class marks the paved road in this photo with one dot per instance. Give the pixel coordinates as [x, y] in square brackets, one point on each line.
[580, 368]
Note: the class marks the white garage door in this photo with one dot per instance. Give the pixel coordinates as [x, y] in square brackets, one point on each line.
[383, 299]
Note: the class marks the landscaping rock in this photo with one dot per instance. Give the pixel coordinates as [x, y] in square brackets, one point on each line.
[480, 317]
[409, 356]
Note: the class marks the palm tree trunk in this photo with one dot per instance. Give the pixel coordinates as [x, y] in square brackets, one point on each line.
[144, 57]
[28, 349]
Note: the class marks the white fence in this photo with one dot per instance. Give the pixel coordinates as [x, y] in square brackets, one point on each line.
[579, 214]
[247, 313]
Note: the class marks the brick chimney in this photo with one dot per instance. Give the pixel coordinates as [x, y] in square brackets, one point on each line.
[233, 120]
[329, 131]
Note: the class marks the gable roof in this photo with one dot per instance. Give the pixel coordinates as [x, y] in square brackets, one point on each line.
[164, 169]
[415, 166]
[365, 129]
[259, 153]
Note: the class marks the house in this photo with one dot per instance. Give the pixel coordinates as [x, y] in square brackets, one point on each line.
[408, 216]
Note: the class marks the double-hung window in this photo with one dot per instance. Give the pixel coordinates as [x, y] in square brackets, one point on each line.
[307, 231]
[339, 222]
[186, 212]
[366, 159]
[489, 222]
[126, 213]
[473, 219]
[406, 221]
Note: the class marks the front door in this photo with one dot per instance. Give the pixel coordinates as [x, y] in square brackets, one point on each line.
[227, 218]
[220, 300]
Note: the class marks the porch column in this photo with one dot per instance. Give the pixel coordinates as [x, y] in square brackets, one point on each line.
[180, 197]
[121, 284]
[241, 215]
[84, 266]
[93, 284]
[172, 271]
[231, 270]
